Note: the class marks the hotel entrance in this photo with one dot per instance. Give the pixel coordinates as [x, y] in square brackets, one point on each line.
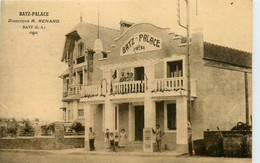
[139, 122]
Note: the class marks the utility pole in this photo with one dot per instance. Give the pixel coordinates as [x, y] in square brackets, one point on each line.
[187, 27]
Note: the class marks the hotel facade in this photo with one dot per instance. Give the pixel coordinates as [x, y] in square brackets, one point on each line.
[138, 78]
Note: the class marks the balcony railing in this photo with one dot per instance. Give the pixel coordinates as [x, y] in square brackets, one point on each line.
[75, 89]
[128, 87]
[65, 94]
[169, 84]
[158, 85]
[90, 91]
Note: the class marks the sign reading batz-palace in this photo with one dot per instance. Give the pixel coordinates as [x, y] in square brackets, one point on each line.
[141, 42]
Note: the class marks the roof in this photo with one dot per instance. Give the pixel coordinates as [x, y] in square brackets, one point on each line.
[88, 34]
[66, 72]
[227, 55]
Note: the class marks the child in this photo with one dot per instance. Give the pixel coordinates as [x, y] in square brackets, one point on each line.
[112, 142]
[116, 143]
[123, 138]
[107, 142]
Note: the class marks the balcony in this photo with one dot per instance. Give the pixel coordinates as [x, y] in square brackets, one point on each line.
[128, 87]
[173, 84]
[73, 93]
[91, 91]
[168, 86]
[75, 89]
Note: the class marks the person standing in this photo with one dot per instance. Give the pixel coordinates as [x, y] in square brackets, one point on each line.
[92, 137]
[159, 135]
[122, 78]
[112, 142]
[107, 142]
[116, 143]
[123, 138]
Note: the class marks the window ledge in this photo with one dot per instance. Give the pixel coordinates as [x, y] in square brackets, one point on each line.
[171, 131]
[80, 117]
[102, 59]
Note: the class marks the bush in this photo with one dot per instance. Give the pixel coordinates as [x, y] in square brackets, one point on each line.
[28, 129]
[47, 129]
[44, 129]
[77, 127]
[12, 131]
[51, 127]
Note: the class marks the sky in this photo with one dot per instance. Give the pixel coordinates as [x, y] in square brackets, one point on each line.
[30, 64]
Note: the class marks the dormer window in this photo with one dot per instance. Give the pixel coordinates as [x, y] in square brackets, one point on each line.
[81, 53]
[80, 50]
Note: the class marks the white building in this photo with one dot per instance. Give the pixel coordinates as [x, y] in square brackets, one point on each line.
[156, 93]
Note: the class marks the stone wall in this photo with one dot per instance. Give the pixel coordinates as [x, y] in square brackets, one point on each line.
[56, 142]
[41, 143]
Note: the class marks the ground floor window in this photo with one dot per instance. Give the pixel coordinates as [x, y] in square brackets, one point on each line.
[171, 116]
[116, 117]
[69, 115]
[81, 112]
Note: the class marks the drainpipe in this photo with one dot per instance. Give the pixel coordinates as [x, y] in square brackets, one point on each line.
[246, 98]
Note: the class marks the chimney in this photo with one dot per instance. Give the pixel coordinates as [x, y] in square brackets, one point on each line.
[124, 25]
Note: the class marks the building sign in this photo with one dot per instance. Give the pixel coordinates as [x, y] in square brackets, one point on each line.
[148, 140]
[141, 42]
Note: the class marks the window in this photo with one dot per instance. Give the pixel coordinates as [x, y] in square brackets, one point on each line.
[80, 78]
[90, 55]
[104, 54]
[174, 69]
[81, 53]
[67, 84]
[115, 74]
[171, 116]
[116, 117]
[80, 112]
[69, 115]
[80, 60]
[80, 49]
[90, 61]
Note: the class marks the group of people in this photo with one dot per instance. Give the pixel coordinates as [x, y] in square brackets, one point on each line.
[114, 142]
[129, 77]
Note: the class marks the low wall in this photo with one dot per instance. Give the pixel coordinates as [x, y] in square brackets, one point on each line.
[73, 142]
[41, 143]
[58, 141]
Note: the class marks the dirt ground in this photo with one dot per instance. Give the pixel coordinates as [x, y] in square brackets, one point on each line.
[31, 157]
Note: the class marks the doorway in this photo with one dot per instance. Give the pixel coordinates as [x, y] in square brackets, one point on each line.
[174, 69]
[139, 122]
[139, 73]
